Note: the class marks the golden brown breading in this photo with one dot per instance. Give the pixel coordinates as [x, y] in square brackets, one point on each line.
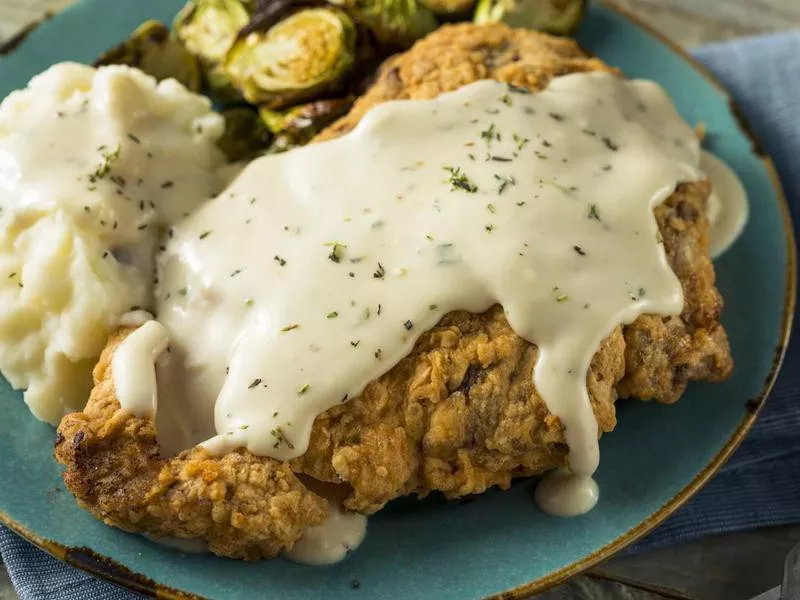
[456, 55]
[460, 413]
[243, 506]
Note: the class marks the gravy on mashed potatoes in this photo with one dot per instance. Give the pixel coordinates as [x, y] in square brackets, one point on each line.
[93, 164]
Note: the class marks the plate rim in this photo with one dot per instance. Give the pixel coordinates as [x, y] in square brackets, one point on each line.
[88, 560]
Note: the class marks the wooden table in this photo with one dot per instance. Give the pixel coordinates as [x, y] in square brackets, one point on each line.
[730, 567]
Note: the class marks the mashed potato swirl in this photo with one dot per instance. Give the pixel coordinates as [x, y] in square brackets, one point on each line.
[95, 164]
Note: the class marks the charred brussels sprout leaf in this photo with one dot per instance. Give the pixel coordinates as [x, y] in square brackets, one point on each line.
[393, 22]
[304, 55]
[560, 17]
[152, 49]
[246, 136]
[298, 125]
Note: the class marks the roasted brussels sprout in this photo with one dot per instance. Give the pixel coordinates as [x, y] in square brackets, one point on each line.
[208, 29]
[245, 136]
[450, 8]
[307, 53]
[393, 22]
[298, 125]
[152, 49]
[560, 17]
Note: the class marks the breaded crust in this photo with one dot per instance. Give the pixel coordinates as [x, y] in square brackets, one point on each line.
[459, 414]
[242, 506]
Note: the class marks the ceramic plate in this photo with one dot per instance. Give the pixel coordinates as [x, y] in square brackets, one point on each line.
[500, 542]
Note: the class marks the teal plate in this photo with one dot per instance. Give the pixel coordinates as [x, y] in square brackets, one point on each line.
[498, 543]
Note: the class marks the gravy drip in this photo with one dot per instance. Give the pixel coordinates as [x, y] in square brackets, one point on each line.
[728, 209]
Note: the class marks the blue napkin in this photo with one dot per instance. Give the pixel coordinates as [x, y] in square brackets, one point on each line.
[757, 487]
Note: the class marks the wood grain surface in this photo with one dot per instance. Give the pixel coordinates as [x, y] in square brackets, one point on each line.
[730, 567]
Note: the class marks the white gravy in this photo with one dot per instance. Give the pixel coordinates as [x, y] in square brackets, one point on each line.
[316, 270]
[133, 367]
[330, 542]
[564, 494]
[728, 209]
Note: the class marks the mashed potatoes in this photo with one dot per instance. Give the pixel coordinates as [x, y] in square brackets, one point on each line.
[94, 165]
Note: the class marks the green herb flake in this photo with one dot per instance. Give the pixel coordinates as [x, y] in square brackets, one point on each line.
[379, 272]
[490, 134]
[505, 181]
[332, 315]
[279, 260]
[289, 328]
[593, 212]
[609, 144]
[518, 89]
[303, 389]
[205, 234]
[107, 159]
[337, 251]
[459, 181]
[562, 298]
[254, 383]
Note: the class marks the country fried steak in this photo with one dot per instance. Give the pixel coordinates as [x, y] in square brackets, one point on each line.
[458, 415]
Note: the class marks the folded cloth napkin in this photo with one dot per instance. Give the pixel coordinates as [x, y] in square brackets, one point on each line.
[756, 487]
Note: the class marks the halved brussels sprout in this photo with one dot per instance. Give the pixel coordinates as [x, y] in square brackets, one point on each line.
[298, 125]
[245, 136]
[560, 17]
[208, 28]
[393, 22]
[152, 49]
[308, 53]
